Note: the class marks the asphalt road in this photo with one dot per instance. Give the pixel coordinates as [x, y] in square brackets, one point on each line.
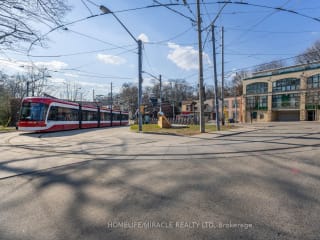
[257, 182]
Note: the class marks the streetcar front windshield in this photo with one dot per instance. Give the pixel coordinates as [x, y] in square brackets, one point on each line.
[33, 111]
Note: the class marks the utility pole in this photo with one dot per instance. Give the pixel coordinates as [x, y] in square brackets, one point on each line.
[28, 83]
[235, 102]
[172, 98]
[111, 120]
[215, 78]
[111, 99]
[202, 122]
[32, 81]
[140, 83]
[160, 80]
[235, 105]
[215, 68]
[222, 76]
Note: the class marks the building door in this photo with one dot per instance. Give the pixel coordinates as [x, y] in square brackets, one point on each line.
[311, 115]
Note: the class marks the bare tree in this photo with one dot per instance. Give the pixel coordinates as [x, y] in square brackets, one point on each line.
[268, 66]
[12, 89]
[310, 55]
[237, 82]
[21, 19]
[128, 97]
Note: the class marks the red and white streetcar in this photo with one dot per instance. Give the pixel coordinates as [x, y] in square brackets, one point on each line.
[44, 114]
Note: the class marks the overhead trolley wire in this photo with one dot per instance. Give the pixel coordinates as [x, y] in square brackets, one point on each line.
[268, 7]
[82, 53]
[87, 7]
[175, 11]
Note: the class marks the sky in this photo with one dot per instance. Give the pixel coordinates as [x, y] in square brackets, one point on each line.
[97, 51]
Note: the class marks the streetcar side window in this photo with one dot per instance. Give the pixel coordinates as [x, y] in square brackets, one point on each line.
[125, 117]
[106, 116]
[63, 114]
[53, 114]
[116, 117]
[89, 115]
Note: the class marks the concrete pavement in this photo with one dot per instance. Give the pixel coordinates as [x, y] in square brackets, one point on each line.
[257, 182]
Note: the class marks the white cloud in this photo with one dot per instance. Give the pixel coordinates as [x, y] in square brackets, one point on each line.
[71, 75]
[24, 66]
[185, 57]
[9, 66]
[52, 65]
[93, 85]
[148, 81]
[143, 37]
[57, 80]
[111, 59]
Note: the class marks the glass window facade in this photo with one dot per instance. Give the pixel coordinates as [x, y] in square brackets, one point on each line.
[286, 85]
[257, 103]
[313, 100]
[286, 101]
[257, 88]
[313, 81]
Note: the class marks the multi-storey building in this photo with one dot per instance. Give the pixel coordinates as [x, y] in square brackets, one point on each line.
[283, 94]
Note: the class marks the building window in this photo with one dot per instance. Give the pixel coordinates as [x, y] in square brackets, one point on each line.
[313, 81]
[257, 88]
[257, 103]
[234, 105]
[286, 101]
[313, 100]
[286, 85]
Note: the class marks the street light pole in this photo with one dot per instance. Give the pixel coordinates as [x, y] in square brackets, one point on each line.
[139, 42]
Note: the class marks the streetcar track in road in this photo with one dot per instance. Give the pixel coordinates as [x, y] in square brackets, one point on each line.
[193, 157]
[39, 171]
[82, 153]
[69, 152]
